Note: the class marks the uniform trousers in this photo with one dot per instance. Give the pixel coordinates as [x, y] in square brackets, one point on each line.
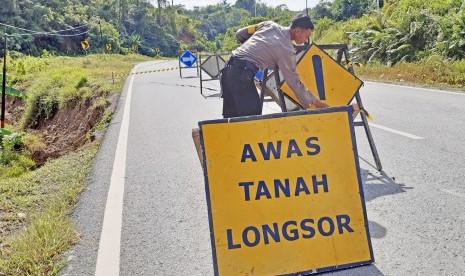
[240, 97]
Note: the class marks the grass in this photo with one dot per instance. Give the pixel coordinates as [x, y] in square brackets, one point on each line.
[34, 205]
[13, 164]
[34, 210]
[51, 83]
[430, 72]
[13, 160]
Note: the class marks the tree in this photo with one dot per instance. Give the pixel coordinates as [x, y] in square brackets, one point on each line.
[248, 5]
[380, 3]
[345, 9]
[136, 41]
[160, 4]
[322, 10]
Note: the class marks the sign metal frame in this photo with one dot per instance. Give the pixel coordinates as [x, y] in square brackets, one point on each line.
[218, 59]
[288, 104]
[183, 66]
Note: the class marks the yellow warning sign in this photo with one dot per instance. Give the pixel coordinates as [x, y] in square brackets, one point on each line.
[108, 46]
[85, 44]
[284, 193]
[325, 78]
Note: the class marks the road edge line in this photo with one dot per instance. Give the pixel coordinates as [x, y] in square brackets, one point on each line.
[108, 257]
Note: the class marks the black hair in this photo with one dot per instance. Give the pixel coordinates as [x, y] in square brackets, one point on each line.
[303, 21]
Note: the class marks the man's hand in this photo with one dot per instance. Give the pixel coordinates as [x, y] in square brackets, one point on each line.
[356, 110]
[320, 104]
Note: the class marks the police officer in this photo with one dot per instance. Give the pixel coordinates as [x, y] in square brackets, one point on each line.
[264, 45]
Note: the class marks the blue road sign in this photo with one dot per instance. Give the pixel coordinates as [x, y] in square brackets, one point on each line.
[259, 75]
[188, 58]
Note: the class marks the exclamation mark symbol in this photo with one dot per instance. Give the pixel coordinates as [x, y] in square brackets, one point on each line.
[320, 83]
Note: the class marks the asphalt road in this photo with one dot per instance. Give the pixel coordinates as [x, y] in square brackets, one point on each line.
[415, 206]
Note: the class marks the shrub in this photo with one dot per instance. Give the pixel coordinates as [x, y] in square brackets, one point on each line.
[32, 143]
[52, 91]
[13, 161]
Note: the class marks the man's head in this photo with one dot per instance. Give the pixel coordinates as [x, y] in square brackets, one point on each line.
[301, 28]
[303, 21]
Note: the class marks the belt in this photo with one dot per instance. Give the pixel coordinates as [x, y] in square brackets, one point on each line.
[242, 64]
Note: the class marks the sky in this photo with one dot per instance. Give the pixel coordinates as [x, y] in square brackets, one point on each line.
[294, 5]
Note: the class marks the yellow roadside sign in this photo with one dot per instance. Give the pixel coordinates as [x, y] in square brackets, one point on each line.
[279, 200]
[326, 78]
[85, 44]
[108, 46]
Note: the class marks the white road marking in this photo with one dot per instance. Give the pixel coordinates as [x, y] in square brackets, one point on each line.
[453, 193]
[408, 135]
[271, 107]
[418, 88]
[108, 258]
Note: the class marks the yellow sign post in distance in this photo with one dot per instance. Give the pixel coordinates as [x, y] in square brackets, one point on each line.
[85, 44]
[284, 193]
[108, 46]
[329, 81]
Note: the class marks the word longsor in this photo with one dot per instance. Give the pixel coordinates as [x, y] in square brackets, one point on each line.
[291, 230]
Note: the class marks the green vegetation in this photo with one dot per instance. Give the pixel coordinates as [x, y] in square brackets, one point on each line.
[52, 83]
[341, 10]
[409, 31]
[432, 72]
[126, 25]
[13, 162]
[42, 201]
[403, 30]
[67, 76]
[400, 31]
[35, 228]
[405, 41]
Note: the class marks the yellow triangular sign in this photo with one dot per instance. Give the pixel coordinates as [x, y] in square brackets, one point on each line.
[325, 78]
[85, 44]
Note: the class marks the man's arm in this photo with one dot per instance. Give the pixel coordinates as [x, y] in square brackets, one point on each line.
[245, 33]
